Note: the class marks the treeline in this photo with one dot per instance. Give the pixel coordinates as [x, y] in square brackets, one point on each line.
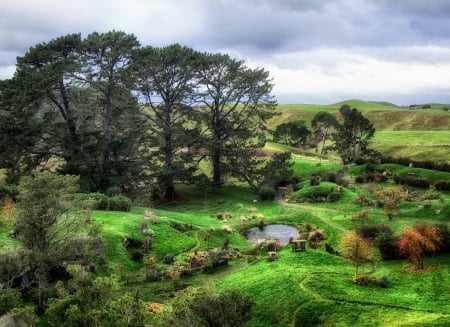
[120, 115]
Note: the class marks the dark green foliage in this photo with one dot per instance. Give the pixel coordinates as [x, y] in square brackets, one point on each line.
[367, 280]
[292, 133]
[165, 81]
[310, 314]
[387, 243]
[119, 203]
[323, 123]
[52, 228]
[333, 196]
[9, 299]
[204, 308]
[91, 301]
[266, 193]
[100, 201]
[352, 138]
[411, 180]
[442, 185]
[444, 232]
[371, 232]
[236, 102]
[277, 171]
[168, 258]
[9, 191]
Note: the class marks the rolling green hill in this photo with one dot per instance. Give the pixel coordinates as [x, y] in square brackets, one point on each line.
[421, 134]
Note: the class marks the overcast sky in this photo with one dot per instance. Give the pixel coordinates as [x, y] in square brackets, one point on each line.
[317, 51]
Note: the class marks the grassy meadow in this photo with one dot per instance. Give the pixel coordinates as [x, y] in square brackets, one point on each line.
[311, 288]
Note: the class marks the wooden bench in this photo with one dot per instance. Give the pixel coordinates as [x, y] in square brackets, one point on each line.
[298, 245]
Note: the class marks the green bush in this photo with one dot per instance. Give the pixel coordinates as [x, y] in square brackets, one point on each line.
[119, 203]
[202, 308]
[98, 201]
[113, 191]
[10, 191]
[442, 185]
[387, 243]
[333, 197]
[9, 299]
[267, 193]
[411, 181]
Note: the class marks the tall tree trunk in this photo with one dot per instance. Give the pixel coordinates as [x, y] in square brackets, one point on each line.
[217, 171]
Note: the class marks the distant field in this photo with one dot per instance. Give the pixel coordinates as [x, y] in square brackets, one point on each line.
[419, 145]
[420, 134]
[384, 116]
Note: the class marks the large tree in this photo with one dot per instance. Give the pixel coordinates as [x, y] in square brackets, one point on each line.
[235, 103]
[352, 138]
[294, 133]
[51, 227]
[70, 100]
[105, 62]
[323, 124]
[39, 106]
[165, 81]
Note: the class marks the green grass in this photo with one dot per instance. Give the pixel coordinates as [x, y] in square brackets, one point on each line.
[400, 132]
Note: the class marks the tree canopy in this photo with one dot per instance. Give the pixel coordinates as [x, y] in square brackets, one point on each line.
[352, 137]
[121, 115]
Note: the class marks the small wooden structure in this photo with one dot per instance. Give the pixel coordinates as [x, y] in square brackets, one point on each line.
[298, 245]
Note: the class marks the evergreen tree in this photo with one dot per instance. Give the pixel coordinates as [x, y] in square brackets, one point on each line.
[352, 138]
[165, 82]
[235, 103]
[51, 227]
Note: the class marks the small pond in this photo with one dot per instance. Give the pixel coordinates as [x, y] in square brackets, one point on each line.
[282, 233]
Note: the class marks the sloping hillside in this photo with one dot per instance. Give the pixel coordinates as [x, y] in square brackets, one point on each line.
[385, 116]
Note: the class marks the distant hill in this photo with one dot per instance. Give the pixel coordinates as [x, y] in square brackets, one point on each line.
[357, 103]
[385, 116]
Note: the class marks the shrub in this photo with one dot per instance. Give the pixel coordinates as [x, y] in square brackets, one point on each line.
[388, 246]
[205, 307]
[273, 246]
[360, 179]
[367, 231]
[411, 181]
[113, 191]
[9, 191]
[382, 282]
[442, 185]
[9, 299]
[316, 236]
[19, 317]
[99, 201]
[330, 249]
[333, 196]
[168, 258]
[136, 254]
[120, 203]
[366, 280]
[315, 180]
[267, 193]
[444, 232]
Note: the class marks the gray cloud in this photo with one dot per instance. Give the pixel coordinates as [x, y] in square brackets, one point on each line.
[332, 38]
